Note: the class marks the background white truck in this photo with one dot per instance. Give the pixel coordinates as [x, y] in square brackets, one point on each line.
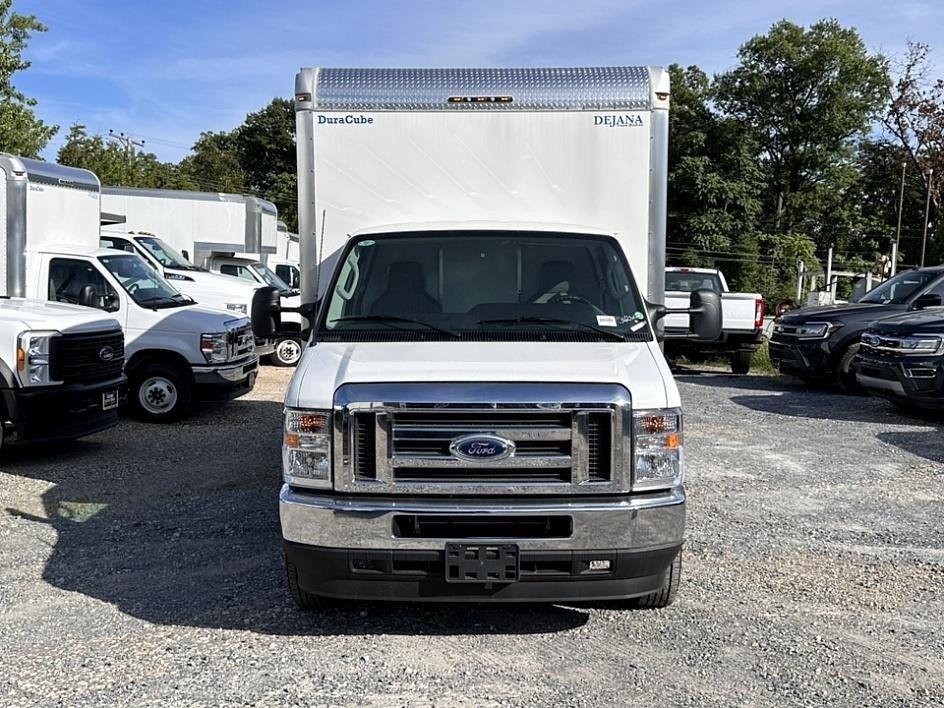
[484, 412]
[210, 244]
[742, 318]
[175, 351]
[285, 259]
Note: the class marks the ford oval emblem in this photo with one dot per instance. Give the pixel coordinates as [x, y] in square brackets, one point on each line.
[106, 353]
[481, 448]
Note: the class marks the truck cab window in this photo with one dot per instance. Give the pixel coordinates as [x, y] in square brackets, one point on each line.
[688, 282]
[119, 244]
[67, 278]
[237, 271]
[289, 274]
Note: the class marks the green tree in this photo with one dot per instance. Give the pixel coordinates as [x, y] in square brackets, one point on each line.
[116, 164]
[805, 96]
[21, 131]
[213, 165]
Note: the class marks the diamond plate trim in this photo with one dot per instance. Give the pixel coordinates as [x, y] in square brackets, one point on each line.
[564, 89]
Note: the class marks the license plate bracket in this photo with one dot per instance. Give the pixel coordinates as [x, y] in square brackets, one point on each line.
[482, 563]
[109, 400]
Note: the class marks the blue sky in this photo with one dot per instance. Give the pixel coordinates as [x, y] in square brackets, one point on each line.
[165, 70]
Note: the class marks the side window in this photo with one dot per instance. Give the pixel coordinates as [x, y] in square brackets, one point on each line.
[67, 278]
[120, 244]
[289, 274]
[936, 289]
[237, 271]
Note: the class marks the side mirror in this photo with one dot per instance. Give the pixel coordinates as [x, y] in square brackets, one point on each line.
[112, 302]
[88, 297]
[705, 314]
[927, 300]
[266, 313]
[185, 254]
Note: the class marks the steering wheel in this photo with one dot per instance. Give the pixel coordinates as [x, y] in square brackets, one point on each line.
[568, 297]
[133, 288]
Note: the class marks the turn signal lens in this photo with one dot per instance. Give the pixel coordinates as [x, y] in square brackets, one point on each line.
[20, 359]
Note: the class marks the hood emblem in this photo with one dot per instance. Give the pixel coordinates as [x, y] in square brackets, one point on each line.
[481, 448]
[106, 353]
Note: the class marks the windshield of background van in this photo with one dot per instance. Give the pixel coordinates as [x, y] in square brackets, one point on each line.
[478, 285]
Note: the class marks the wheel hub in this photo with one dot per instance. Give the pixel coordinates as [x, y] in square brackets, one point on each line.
[157, 395]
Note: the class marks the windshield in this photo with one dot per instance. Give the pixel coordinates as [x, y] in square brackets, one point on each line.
[269, 277]
[164, 254]
[511, 286]
[895, 291]
[688, 281]
[142, 282]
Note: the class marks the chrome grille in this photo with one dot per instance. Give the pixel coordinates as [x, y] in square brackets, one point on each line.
[397, 438]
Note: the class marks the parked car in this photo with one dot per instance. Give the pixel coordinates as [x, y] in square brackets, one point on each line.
[902, 358]
[819, 344]
[742, 318]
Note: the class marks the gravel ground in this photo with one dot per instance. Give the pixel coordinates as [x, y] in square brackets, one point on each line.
[142, 566]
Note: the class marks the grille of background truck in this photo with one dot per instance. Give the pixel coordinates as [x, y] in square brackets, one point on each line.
[76, 358]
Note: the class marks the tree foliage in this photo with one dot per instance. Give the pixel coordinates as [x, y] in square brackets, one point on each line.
[114, 163]
[21, 131]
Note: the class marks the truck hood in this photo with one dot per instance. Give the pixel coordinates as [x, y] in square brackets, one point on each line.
[929, 321]
[213, 290]
[824, 312]
[57, 316]
[195, 319]
[637, 365]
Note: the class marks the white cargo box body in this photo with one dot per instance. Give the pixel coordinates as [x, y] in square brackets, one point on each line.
[525, 148]
[198, 222]
[61, 206]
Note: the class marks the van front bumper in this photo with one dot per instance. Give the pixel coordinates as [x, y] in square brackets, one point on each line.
[227, 381]
[388, 548]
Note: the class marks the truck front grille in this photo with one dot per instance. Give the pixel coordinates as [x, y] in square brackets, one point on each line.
[87, 358]
[554, 446]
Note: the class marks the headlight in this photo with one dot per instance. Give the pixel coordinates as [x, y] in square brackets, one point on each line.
[214, 347]
[33, 358]
[657, 449]
[816, 330]
[239, 307]
[306, 448]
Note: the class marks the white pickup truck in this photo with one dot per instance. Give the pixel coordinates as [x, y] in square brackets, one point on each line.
[742, 318]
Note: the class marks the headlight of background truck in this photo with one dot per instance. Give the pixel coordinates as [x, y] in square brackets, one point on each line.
[657, 449]
[33, 358]
[306, 448]
[215, 347]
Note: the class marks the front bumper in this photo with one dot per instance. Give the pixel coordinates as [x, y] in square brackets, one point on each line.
[389, 548]
[801, 357]
[264, 346]
[918, 379]
[56, 413]
[227, 381]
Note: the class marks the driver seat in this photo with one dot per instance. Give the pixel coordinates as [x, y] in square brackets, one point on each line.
[555, 278]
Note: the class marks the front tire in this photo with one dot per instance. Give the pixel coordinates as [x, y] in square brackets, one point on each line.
[664, 596]
[288, 351]
[845, 375]
[160, 393]
[741, 362]
[305, 600]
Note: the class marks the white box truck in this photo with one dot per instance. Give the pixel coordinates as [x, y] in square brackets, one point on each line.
[284, 261]
[483, 412]
[175, 352]
[209, 244]
[60, 365]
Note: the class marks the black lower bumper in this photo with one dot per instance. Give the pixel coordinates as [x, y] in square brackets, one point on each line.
[225, 383]
[807, 359]
[419, 575]
[680, 342]
[915, 380]
[56, 413]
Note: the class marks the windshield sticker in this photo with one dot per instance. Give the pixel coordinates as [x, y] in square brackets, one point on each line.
[638, 326]
[606, 320]
[367, 243]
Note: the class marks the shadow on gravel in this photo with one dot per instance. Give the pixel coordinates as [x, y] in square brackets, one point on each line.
[784, 396]
[928, 444]
[179, 526]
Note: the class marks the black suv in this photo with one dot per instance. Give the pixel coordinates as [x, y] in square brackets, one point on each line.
[902, 358]
[818, 344]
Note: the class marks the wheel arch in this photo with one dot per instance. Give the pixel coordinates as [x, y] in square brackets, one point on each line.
[158, 356]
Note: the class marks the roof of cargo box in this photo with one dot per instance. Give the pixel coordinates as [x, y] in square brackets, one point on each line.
[635, 88]
[41, 172]
[266, 205]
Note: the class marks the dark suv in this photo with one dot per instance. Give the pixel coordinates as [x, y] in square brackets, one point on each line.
[902, 358]
[818, 344]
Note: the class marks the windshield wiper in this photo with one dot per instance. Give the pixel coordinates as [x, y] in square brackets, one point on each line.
[392, 320]
[555, 322]
[171, 300]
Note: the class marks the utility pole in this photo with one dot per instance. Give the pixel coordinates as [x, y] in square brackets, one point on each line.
[129, 144]
[901, 204]
[927, 212]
